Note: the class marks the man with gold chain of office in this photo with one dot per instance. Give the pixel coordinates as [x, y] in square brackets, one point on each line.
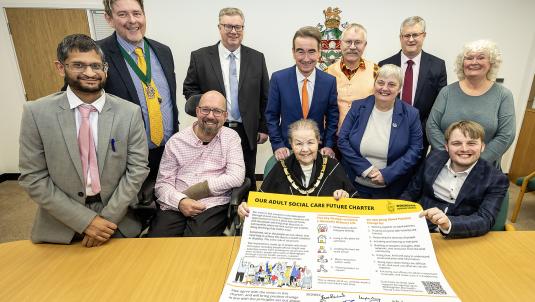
[141, 71]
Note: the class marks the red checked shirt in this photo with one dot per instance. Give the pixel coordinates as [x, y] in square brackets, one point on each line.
[186, 161]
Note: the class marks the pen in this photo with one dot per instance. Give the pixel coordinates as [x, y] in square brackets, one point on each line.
[112, 141]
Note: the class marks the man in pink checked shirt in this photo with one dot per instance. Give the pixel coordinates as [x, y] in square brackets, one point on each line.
[200, 166]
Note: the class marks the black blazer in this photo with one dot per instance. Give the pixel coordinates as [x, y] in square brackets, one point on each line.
[120, 83]
[205, 74]
[431, 78]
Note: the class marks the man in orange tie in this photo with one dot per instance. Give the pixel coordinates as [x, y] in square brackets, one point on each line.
[302, 91]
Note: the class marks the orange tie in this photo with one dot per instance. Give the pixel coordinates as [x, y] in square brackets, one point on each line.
[304, 99]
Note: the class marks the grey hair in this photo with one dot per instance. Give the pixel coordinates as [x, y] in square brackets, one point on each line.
[108, 4]
[487, 47]
[303, 124]
[79, 42]
[390, 70]
[410, 21]
[231, 11]
[355, 27]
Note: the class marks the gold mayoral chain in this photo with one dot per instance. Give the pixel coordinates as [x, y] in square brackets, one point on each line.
[316, 184]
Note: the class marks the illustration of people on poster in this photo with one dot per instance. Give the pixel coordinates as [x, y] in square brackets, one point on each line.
[300, 248]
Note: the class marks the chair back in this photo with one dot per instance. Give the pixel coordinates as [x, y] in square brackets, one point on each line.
[499, 224]
[272, 161]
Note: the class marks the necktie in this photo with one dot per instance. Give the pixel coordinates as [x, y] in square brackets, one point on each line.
[86, 144]
[304, 98]
[406, 95]
[233, 81]
[152, 97]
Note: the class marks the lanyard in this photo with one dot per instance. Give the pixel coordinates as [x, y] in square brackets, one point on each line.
[145, 78]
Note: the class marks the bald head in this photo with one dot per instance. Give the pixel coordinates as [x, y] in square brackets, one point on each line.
[213, 99]
[211, 114]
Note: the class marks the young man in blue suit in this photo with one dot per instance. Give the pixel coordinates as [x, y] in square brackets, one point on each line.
[461, 194]
[302, 91]
[427, 73]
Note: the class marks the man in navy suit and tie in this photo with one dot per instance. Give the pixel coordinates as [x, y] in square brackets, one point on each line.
[425, 74]
[461, 194]
[302, 91]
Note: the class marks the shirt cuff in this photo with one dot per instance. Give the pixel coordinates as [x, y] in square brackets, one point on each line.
[445, 232]
[366, 172]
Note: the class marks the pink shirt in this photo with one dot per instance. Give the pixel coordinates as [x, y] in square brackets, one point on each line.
[186, 161]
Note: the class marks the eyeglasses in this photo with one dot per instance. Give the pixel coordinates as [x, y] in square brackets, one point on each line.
[81, 67]
[356, 42]
[414, 36]
[229, 27]
[207, 110]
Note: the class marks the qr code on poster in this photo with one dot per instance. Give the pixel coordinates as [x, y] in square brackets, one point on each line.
[434, 288]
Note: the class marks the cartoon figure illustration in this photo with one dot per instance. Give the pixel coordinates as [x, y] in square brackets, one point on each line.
[240, 273]
[307, 278]
[322, 249]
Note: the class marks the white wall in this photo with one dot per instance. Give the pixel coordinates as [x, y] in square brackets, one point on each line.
[189, 25]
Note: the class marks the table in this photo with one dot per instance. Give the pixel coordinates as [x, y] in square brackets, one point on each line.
[499, 266]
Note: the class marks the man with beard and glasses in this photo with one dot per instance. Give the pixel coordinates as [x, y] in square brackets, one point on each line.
[83, 153]
[200, 166]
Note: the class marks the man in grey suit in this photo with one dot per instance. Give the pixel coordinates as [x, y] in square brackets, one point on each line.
[240, 74]
[83, 153]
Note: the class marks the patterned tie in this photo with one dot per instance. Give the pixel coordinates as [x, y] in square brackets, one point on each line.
[152, 97]
[406, 95]
[86, 144]
[304, 98]
[233, 79]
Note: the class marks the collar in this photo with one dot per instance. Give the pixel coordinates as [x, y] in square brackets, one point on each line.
[224, 52]
[300, 77]
[416, 59]
[75, 101]
[128, 46]
[465, 172]
[198, 141]
[344, 67]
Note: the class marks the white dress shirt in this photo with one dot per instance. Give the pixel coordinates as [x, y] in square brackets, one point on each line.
[310, 85]
[449, 183]
[415, 71]
[74, 102]
[224, 59]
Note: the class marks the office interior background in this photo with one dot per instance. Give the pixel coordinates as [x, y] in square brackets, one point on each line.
[269, 26]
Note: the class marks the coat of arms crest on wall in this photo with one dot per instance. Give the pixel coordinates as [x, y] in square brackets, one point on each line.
[331, 33]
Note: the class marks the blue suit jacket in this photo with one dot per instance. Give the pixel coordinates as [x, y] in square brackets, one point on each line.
[404, 146]
[284, 106]
[478, 203]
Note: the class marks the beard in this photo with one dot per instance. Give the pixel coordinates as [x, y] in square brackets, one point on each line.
[209, 130]
[76, 83]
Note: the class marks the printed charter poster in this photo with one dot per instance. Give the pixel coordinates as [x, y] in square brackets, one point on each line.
[296, 248]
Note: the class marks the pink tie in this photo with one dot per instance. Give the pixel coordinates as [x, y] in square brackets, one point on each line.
[87, 148]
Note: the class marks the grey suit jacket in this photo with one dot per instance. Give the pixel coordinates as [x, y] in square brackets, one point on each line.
[51, 170]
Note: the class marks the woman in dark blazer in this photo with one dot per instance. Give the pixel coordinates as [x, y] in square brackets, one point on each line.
[381, 139]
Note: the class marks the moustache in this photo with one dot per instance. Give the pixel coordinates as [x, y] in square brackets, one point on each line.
[96, 77]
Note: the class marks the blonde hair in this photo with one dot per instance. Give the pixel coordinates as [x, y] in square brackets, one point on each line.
[487, 47]
[231, 11]
[469, 129]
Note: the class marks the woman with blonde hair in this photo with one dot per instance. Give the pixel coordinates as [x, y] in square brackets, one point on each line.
[477, 97]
